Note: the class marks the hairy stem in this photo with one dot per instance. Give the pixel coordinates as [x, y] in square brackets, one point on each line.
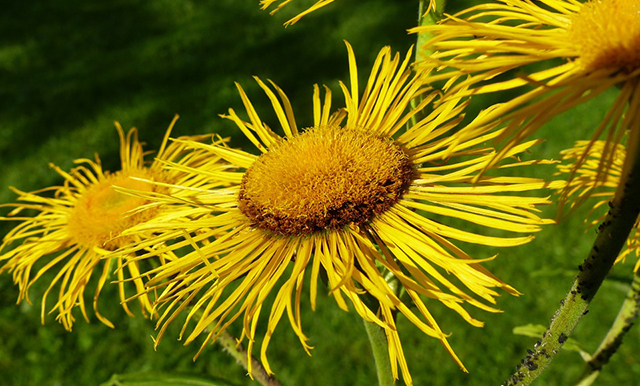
[427, 18]
[609, 345]
[612, 234]
[380, 348]
[237, 351]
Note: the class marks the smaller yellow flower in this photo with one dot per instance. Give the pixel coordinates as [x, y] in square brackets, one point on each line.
[583, 50]
[584, 162]
[80, 223]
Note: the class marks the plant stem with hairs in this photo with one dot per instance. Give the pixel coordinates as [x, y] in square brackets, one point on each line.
[380, 349]
[427, 18]
[612, 234]
[609, 345]
[237, 351]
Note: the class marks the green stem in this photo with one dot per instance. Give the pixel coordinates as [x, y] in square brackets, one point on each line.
[612, 234]
[609, 345]
[425, 18]
[237, 351]
[380, 348]
[429, 18]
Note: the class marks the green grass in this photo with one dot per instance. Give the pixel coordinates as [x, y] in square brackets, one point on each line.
[68, 69]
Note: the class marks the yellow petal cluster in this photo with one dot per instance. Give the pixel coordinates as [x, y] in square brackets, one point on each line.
[79, 225]
[265, 4]
[408, 176]
[584, 162]
[580, 51]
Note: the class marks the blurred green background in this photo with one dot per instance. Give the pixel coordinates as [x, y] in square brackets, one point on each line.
[68, 69]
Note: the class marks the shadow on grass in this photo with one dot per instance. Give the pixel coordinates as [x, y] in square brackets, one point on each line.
[62, 64]
[69, 68]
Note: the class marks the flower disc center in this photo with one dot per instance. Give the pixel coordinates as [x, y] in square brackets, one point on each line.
[325, 178]
[102, 213]
[607, 34]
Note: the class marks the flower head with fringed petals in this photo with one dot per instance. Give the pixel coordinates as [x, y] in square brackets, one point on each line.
[583, 48]
[360, 198]
[80, 224]
[584, 162]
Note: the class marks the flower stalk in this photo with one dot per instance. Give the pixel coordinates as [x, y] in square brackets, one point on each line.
[612, 341]
[427, 15]
[380, 349]
[237, 351]
[612, 234]
[430, 17]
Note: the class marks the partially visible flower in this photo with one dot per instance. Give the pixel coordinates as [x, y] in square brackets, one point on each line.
[319, 4]
[360, 203]
[587, 49]
[584, 161]
[78, 224]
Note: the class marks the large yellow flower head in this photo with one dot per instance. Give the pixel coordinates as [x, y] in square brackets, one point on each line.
[78, 224]
[358, 199]
[584, 161]
[587, 48]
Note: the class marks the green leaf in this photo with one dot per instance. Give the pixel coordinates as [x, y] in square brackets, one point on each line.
[536, 331]
[162, 379]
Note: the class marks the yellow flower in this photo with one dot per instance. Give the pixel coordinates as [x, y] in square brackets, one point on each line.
[584, 162]
[587, 48]
[78, 224]
[361, 203]
[318, 4]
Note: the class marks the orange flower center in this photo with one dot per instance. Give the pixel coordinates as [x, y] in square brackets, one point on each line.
[102, 213]
[325, 178]
[607, 34]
